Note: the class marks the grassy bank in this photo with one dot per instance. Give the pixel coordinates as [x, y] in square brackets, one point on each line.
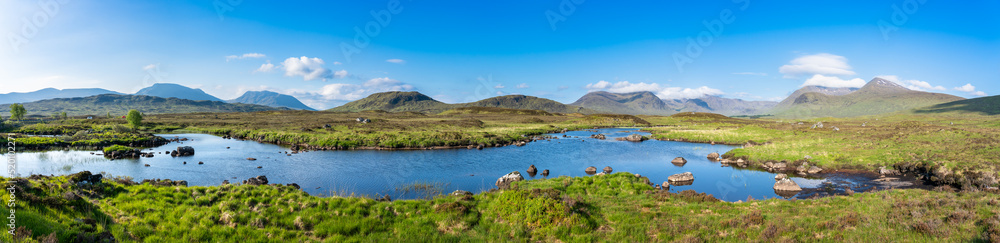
[338, 130]
[617, 207]
[78, 133]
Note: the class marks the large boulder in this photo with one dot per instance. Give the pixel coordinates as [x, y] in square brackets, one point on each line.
[713, 156]
[786, 185]
[256, 181]
[184, 151]
[679, 161]
[532, 169]
[814, 169]
[779, 177]
[591, 170]
[632, 138]
[607, 170]
[598, 136]
[504, 181]
[686, 176]
[802, 168]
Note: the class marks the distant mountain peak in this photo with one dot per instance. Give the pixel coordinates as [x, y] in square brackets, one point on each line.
[272, 99]
[169, 90]
[884, 86]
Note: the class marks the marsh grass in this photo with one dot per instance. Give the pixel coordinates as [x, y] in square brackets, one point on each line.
[616, 207]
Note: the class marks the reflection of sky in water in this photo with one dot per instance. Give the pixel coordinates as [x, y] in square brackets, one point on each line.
[369, 172]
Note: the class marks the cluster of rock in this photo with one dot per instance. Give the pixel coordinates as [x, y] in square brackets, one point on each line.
[804, 168]
[256, 181]
[632, 138]
[135, 153]
[85, 177]
[178, 139]
[599, 136]
[362, 120]
[182, 151]
[737, 162]
[164, 182]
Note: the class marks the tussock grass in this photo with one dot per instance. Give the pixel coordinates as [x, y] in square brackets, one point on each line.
[616, 207]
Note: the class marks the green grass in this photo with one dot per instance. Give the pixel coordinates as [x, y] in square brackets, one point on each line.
[117, 148]
[958, 150]
[617, 207]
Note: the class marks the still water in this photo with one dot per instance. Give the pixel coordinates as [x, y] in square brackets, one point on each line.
[371, 172]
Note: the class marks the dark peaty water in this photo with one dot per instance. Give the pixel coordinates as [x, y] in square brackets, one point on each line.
[371, 172]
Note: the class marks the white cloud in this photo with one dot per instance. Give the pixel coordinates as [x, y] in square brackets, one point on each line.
[398, 61]
[833, 82]
[499, 86]
[309, 69]
[751, 73]
[660, 91]
[970, 89]
[522, 86]
[150, 67]
[337, 63]
[810, 65]
[912, 84]
[966, 88]
[244, 56]
[340, 74]
[265, 68]
[342, 91]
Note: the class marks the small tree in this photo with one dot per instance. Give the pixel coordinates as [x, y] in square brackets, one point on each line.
[17, 111]
[134, 118]
[63, 116]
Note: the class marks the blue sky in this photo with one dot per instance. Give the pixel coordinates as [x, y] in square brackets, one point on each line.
[459, 51]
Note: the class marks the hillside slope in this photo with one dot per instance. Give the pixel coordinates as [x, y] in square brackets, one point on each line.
[635, 103]
[989, 105]
[397, 101]
[879, 96]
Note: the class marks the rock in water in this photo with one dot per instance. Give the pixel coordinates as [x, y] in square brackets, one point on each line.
[713, 157]
[545, 173]
[184, 151]
[814, 170]
[786, 185]
[591, 170]
[780, 177]
[532, 169]
[607, 170]
[504, 181]
[679, 161]
[632, 138]
[686, 176]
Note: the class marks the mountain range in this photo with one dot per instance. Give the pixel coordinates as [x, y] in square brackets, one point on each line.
[878, 96]
[116, 104]
[163, 90]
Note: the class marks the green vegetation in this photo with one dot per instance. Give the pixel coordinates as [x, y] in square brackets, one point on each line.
[978, 106]
[617, 207]
[120, 104]
[117, 148]
[82, 133]
[134, 118]
[488, 126]
[17, 111]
